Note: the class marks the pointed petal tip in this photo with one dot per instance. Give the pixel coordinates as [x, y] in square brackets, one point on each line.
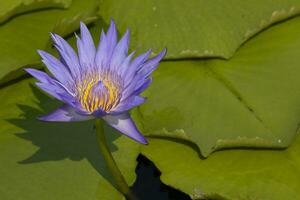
[53, 36]
[112, 27]
[40, 51]
[138, 137]
[163, 52]
[131, 54]
[28, 70]
[126, 37]
[76, 35]
[83, 27]
[82, 23]
[56, 38]
[125, 125]
[148, 53]
[156, 59]
[32, 71]
[144, 141]
[112, 22]
[102, 37]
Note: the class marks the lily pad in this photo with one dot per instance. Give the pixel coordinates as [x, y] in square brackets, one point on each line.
[31, 32]
[251, 100]
[61, 160]
[50, 160]
[197, 28]
[14, 7]
[242, 174]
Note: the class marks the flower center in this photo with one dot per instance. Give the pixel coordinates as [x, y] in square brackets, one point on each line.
[100, 91]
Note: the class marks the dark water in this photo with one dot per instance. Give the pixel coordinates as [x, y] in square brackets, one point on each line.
[148, 185]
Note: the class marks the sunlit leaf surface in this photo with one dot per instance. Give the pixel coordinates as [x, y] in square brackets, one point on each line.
[195, 28]
[9, 8]
[21, 36]
[194, 106]
[242, 174]
[251, 100]
[58, 160]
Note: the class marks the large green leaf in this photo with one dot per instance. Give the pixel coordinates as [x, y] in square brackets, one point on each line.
[250, 100]
[23, 35]
[243, 174]
[50, 160]
[9, 8]
[212, 103]
[197, 28]
[61, 160]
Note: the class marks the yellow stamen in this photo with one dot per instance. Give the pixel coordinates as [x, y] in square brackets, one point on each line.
[106, 99]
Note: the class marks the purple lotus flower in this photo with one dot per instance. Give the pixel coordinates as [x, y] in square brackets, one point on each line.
[104, 82]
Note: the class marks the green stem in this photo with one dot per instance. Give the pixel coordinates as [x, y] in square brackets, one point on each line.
[122, 186]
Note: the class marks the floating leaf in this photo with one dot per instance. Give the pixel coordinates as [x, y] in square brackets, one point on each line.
[49, 160]
[243, 174]
[31, 32]
[11, 8]
[57, 160]
[53, 160]
[251, 100]
[197, 28]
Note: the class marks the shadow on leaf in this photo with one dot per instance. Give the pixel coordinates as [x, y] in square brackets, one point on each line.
[58, 141]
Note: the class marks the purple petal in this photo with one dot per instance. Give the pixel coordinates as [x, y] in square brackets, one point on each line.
[86, 47]
[139, 60]
[101, 54]
[140, 79]
[125, 125]
[54, 90]
[136, 89]
[111, 42]
[125, 64]
[59, 71]
[120, 52]
[151, 64]
[39, 75]
[128, 104]
[106, 46]
[68, 55]
[134, 66]
[72, 101]
[141, 87]
[65, 114]
[57, 91]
